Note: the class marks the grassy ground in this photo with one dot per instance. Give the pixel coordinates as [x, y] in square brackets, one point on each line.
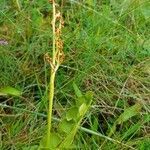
[107, 50]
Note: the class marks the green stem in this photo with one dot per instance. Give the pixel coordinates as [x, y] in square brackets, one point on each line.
[50, 108]
[52, 80]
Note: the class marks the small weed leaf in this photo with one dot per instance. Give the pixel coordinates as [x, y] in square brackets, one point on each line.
[131, 130]
[126, 115]
[129, 112]
[10, 91]
[134, 128]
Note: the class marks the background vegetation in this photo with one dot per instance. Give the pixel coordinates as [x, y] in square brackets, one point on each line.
[107, 51]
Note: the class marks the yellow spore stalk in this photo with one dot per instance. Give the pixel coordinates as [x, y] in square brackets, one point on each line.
[55, 61]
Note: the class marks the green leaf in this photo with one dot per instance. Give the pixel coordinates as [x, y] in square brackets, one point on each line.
[76, 113]
[54, 142]
[89, 97]
[10, 91]
[77, 91]
[42, 145]
[66, 126]
[129, 112]
[80, 101]
[82, 109]
[72, 114]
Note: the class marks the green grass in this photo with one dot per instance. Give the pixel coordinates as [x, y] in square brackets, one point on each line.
[107, 50]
